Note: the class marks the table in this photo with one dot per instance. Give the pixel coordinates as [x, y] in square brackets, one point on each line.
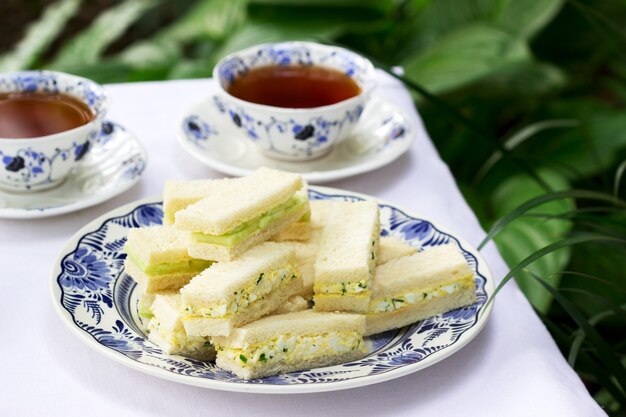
[512, 368]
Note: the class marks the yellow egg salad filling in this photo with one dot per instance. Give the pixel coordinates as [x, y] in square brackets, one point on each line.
[263, 285]
[387, 304]
[359, 288]
[290, 348]
[179, 340]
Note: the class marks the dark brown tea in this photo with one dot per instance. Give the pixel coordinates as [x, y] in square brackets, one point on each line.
[29, 115]
[294, 87]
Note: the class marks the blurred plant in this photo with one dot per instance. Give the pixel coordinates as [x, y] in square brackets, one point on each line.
[536, 90]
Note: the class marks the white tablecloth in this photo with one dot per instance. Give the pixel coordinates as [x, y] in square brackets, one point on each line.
[512, 368]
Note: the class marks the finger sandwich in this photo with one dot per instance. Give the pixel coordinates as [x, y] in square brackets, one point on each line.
[291, 342]
[157, 258]
[412, 288]
[391, 248]
[231, 294]
[249, 211]
[178, 194]
[346, 257]
[300, 229]
[166, 330]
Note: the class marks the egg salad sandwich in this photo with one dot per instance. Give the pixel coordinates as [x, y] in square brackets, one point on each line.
[414, 287]
[391, 248]
[346, 258]
[157, 258]
[178, 194]
[291, 342]
[231, 294]
[166, 330]
[247, 212]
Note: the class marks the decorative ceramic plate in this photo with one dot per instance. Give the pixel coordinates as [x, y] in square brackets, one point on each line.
[114, 164]
[383, 133]
[99, 303]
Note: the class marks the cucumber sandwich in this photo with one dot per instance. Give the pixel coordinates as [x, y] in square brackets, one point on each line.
[290, 342]
[231, 294]
[249, 211]
[412, 288]
[157, 258]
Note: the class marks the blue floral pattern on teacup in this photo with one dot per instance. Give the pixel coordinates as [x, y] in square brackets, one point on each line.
[98, 296]
[294, 134]
[42, 163]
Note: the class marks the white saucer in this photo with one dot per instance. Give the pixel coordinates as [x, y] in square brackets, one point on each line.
[382, 135]
[115, 163]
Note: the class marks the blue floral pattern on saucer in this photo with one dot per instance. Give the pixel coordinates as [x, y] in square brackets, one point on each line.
[97, 298]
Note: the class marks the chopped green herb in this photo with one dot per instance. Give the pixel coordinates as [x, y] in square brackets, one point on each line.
[397, 300]
[243, 358]
[372, 254]
[362, 285]
[424, 295]
[207, 344]
[260, 278]
[284, 349]
[262, 358]
[343, 288]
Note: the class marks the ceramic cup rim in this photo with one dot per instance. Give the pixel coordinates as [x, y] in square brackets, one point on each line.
[99, 113]
[365, 93]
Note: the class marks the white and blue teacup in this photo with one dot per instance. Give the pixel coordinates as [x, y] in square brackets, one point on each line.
[39, 163]
[293, 134]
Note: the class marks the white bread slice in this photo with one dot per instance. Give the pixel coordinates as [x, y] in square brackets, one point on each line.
[307, 322]
[166, 330]
[242, 200]
[347, 254]
[391, 248]
[221, 253]
[153, 284]
[178, 194]
[300, 324]
[296, 231]
[158, 244]
[220, 284]
[319, 212]
[430, 269]
[293, 304]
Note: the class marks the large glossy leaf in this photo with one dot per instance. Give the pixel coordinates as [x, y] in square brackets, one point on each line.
[467, 55]
[526, 235]
[39, 35]
[89, 45]
[214, 19]
[526, 17]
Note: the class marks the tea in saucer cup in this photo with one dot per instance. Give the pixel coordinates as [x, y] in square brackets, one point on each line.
[287, 132]
[37, 156]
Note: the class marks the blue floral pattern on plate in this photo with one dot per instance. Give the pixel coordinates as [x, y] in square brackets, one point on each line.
[100, 300]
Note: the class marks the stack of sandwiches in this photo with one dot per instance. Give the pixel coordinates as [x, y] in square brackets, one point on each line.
[250, 273]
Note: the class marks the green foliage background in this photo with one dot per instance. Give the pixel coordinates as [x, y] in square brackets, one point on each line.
[523, 98]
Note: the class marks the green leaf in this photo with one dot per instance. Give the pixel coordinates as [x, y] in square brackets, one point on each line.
[548, 197]
[214, 19]
[571, 241]
[39, 35]
[606, 354]
[526, 235]
[89, 45]
[523, 79]
[467, 55]
[526, 17]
